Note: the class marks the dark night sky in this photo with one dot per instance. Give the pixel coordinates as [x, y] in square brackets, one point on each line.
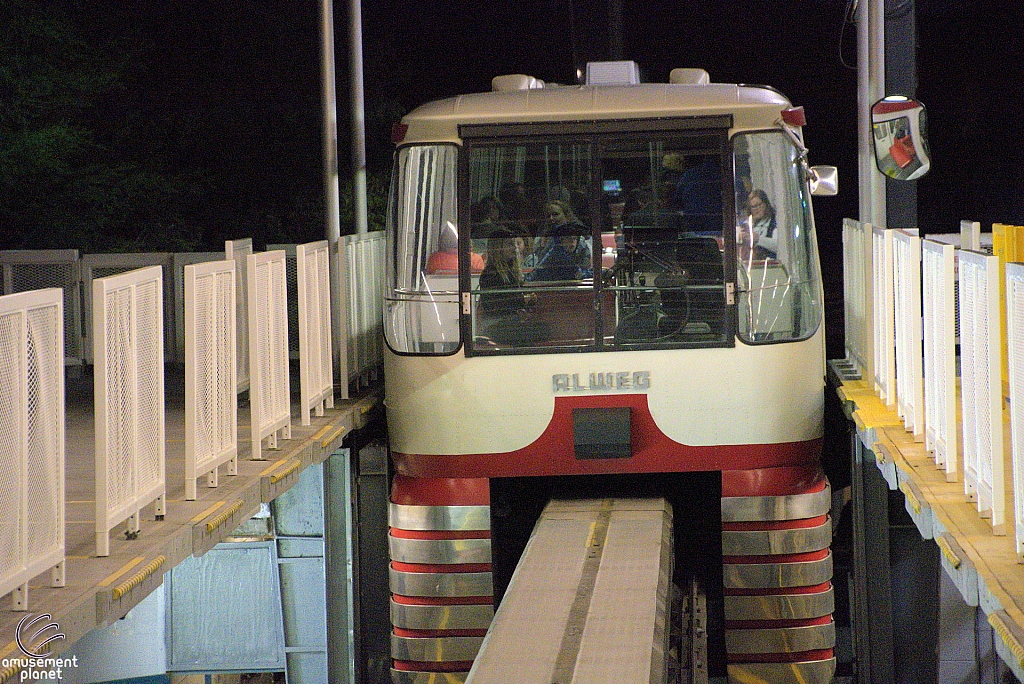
[236, 85]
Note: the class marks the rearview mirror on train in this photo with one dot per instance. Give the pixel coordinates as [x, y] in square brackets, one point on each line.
[900, 133]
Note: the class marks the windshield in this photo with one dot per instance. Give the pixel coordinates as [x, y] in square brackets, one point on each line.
[575, 240]
[777, 277]
[600, 242]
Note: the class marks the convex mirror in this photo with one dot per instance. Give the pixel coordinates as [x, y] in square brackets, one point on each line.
[900, 132]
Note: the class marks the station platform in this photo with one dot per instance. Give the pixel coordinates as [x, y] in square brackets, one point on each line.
[982, 565]
[100, 590]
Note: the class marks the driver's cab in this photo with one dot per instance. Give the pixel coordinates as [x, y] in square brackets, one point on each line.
[604, 235]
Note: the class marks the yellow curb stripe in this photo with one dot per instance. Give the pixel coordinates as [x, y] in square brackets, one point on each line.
[223, 516]
[1007, 636]
[954, 560]
[278, 476]
[334, 435]
[124, 568]
[137, 579]
[321, 432]
[207, 512]
[908, 492]
[273, 466]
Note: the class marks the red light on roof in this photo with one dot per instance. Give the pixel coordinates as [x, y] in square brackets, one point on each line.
[398, 132]
[794, 116]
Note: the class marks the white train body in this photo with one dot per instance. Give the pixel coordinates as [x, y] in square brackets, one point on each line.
[614, 278]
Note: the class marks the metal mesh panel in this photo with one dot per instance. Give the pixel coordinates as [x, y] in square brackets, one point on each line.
[179, 261]
[268, 338]
[883, 313]
[12, 418]
[981, 381]
[1015, 349]
[239, 250]
[291, 272]
[907, 283]
[28, 270]
[149, 379]
[129, 331]
[364, 256]
[316, 375]
[210, 396]
[940, 354]
[31, 435]
[45, 410]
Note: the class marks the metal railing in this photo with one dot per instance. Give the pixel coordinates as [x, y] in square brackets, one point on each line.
[908, 323]
[239, 251]
[211, 405]
[31, 440]
[939, 311]
[981, 384]
[269, 388]
[128, 349]
[1015, 350]
[857, 284]
[884, 339]
[362, 269]
[316, 370]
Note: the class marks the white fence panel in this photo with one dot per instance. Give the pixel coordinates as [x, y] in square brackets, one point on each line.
[857, 295]
[363, 261]
[293, 297]
[31, 440]
[939, 289]
[883, 313]
[178, 263]
[239, 250]
[1015, 330]
[981, 383]
[128, 335]
[35, 269]
[316, 370]
[211, 403]
[907, 299]
[269, 391]
[102, 265]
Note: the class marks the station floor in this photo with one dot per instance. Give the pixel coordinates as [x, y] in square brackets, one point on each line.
[100, 590]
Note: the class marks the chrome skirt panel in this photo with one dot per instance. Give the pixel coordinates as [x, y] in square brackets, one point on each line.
[776, 575]
[439, 517]
[780, 639]
[441, 617]
[788, 507]
[780, 607]
[770, 542]
[440, 584]
[409, 677]
[807, 672]
[435, 649]
[439, 551]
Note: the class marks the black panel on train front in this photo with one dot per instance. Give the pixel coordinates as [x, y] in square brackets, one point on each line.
[601, 432]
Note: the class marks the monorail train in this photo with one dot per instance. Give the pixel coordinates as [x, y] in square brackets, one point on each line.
[608, 289]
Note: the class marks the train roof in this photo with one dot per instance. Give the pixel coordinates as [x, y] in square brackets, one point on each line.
[752, 107]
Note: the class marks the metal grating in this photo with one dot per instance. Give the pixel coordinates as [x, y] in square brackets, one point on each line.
[316, 371]
[981, 384]
[883, 314]
[179, 260]
[363, 257]
[239, 250]
[269, 391]
[211, 405]
[31, 440]
[1015, 330]
[95, 266]
[293, 297]
[940, 355]
[128, 334]
[907, 300]
[28, 270]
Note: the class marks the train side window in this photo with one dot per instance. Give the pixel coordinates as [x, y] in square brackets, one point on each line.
[777, 278]
[421, 312]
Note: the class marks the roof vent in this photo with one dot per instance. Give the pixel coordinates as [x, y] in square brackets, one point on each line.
[613, 73]
[501, 84]
[689, 77]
